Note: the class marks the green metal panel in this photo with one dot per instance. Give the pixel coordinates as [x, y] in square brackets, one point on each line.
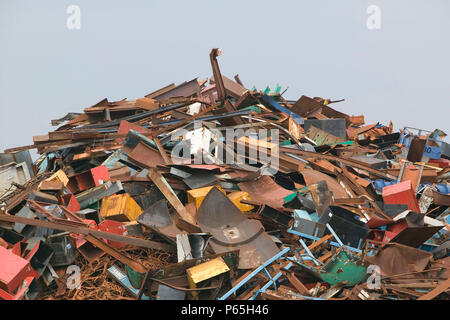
[342, 267]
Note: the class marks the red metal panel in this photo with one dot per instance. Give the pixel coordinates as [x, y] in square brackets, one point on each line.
[401, 193]
[388, 236]
[100, 175]
[88, 179]
[442, 163]
[19, 294]
[85, 181]
[383, 236]
[117, 227]
[71, 203]
[126, 126]
[397, 227]
[79, 238]
[13, 270]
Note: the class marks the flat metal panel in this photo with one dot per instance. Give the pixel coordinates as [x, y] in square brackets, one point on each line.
[336, 127]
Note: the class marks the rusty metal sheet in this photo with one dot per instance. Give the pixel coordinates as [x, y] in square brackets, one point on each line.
[322, 137]
[145, 156]
[158, 218]
[230, 229]
[396, 258]
[265, 190]
[441, 199]
[350, 162]
[160, 91]
[168, 192]
[232, 88]
[415, 236]
[305, 106]
[186, 89]
[70, 227]
[313, 177]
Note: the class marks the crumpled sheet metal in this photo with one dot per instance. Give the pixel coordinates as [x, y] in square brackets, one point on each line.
[395, 258]
[231, 230]
[158, 218]
[441, 199]
[265, 190]
[313, 177]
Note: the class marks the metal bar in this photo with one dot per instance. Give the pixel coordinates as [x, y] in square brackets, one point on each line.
[352, 163]
[334, 234]
[272, 281]
[251, 275]
[85, 230]
[168, 192]
[308, 251]
[307, 236]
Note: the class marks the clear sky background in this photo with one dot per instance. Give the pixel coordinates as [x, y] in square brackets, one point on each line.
[127, 49]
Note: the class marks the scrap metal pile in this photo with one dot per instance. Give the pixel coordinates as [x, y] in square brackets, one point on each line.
[210, 190]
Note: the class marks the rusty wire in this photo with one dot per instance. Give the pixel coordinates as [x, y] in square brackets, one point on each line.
[95, 282]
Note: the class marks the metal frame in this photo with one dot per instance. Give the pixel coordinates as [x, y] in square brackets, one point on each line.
[338, 242]
[257, 270]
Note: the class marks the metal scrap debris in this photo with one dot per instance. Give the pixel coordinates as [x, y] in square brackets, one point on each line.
[210, 190]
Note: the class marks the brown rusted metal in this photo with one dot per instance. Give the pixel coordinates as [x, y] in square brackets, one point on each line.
[350, 162]
[158, 218]
[265, 190]
[229, 228]
[313, 177]
[396, 259]
[67, 226]
[168, 192]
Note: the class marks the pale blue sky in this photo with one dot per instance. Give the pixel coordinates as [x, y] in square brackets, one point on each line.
[126, 49]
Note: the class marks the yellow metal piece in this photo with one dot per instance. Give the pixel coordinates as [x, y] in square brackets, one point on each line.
[59, 176]
[121, 207]
[197, 195]
[237, 196]
[204, 271]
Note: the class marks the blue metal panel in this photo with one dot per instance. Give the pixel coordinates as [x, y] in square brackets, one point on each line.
[270, 103]
[271, 282]
[251, 275]
[307, 236]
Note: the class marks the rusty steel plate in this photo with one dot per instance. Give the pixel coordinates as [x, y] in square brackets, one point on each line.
[158, 218]
[265, 190]
[313, 177]
[231, 230]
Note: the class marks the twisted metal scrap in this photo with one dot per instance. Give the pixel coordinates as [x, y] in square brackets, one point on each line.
[95, 282]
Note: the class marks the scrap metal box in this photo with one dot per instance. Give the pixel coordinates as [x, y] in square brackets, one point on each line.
[13, 270]
[401, 193]
[88, 179]
[120, 207]
[305, 224]
[197, 195]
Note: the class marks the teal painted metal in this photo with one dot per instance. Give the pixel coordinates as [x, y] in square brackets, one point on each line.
[134, 277]
[121, 277]
[343, 267]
